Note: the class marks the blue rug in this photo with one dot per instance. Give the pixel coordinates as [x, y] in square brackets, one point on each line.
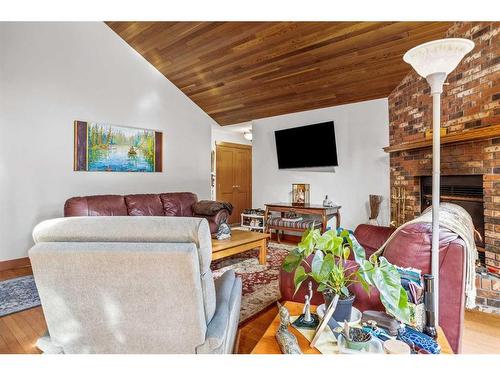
[18, 294]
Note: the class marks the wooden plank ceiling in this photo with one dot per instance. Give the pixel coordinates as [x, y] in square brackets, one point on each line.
[240, 71]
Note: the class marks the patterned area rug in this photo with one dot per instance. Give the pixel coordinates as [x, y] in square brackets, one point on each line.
[260, 282]
[18, 294]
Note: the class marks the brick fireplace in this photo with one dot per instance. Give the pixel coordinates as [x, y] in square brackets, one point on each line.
[470, 104]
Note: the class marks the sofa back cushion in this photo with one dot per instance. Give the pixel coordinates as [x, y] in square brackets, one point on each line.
[144, 205]
[96, 205]
[166, 204]
[178, 204]
[371, 237]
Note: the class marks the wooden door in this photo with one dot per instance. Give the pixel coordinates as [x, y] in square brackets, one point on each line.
[234, 177]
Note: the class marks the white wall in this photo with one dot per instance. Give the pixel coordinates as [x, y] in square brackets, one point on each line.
[231, 133]
[54, 73]
[361, 131]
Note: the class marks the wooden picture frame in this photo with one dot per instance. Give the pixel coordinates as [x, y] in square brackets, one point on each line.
[103, 147]
[300, 194]
[324, 322]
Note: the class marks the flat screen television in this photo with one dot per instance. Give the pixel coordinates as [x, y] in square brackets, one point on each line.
[307, 146]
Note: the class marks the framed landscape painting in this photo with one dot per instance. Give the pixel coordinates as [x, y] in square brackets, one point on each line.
[112, 148]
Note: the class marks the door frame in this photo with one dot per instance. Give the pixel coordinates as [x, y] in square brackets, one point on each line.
[240, 146]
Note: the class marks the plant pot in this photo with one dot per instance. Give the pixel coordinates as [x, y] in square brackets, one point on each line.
[344, 306]
[360, 344]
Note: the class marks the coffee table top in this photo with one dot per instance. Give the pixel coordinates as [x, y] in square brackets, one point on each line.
[238, 237]
[268, 344]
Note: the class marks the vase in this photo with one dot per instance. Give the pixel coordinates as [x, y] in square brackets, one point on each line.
[344, 306]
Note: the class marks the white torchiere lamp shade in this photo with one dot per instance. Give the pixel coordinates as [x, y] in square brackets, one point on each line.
[438, 57]
[434, 61]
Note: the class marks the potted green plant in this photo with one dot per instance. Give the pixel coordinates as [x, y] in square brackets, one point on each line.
[334, 274]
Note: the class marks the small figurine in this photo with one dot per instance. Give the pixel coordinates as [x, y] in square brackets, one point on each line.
[286, 340]
[224, 231]
[327, 202]
[306, 319]
[307, 310]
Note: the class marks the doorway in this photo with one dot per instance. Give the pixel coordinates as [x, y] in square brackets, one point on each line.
[233, 175]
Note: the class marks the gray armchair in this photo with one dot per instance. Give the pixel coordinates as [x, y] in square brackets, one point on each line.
[132, 285]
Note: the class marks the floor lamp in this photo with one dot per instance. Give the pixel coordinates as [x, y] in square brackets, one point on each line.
[434, 61]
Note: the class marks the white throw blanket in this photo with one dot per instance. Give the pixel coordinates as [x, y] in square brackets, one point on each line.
[458, 220]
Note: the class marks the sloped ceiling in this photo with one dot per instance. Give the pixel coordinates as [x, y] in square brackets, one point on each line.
[240, 71]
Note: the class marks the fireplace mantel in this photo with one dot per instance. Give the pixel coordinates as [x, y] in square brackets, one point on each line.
[486, 132]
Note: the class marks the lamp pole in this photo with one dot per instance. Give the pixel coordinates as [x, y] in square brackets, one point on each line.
[436, 81]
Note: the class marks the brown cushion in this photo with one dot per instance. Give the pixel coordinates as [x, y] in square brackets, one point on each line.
[76, 206]
[106, 205]
[178, 204]
[144, 205]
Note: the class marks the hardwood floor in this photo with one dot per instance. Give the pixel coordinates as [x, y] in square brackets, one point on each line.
[19, 331]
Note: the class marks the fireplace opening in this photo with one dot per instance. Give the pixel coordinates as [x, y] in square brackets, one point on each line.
[466, 191]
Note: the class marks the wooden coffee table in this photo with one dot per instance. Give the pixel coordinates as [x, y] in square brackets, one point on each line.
[268, 344]
[241, 241]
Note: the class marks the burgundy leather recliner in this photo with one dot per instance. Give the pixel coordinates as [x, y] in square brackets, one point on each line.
[163, 204]
[410, 247]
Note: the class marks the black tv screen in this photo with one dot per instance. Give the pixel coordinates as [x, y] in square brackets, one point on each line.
[307, 146]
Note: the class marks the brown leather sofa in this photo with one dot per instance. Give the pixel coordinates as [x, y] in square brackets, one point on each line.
[410, 247]
[163, 204]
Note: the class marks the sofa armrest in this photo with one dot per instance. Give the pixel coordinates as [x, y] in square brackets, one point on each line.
[452, 293]
[215, 220]
[221, 331]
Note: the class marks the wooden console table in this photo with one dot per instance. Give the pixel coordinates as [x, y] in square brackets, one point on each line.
[325, 214]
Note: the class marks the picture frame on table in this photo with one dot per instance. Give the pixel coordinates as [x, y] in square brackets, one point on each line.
[300, 194]
[324, 322]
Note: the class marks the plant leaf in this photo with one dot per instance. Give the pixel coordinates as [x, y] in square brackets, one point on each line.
[308, 241]
[359, 252]
[317, 262]
[392, 294]
[347, 252]
[327, 266]
[322, 287]
[363, 282]
[299, 277]
[292, 260]
[345, 291]
[326, 241]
